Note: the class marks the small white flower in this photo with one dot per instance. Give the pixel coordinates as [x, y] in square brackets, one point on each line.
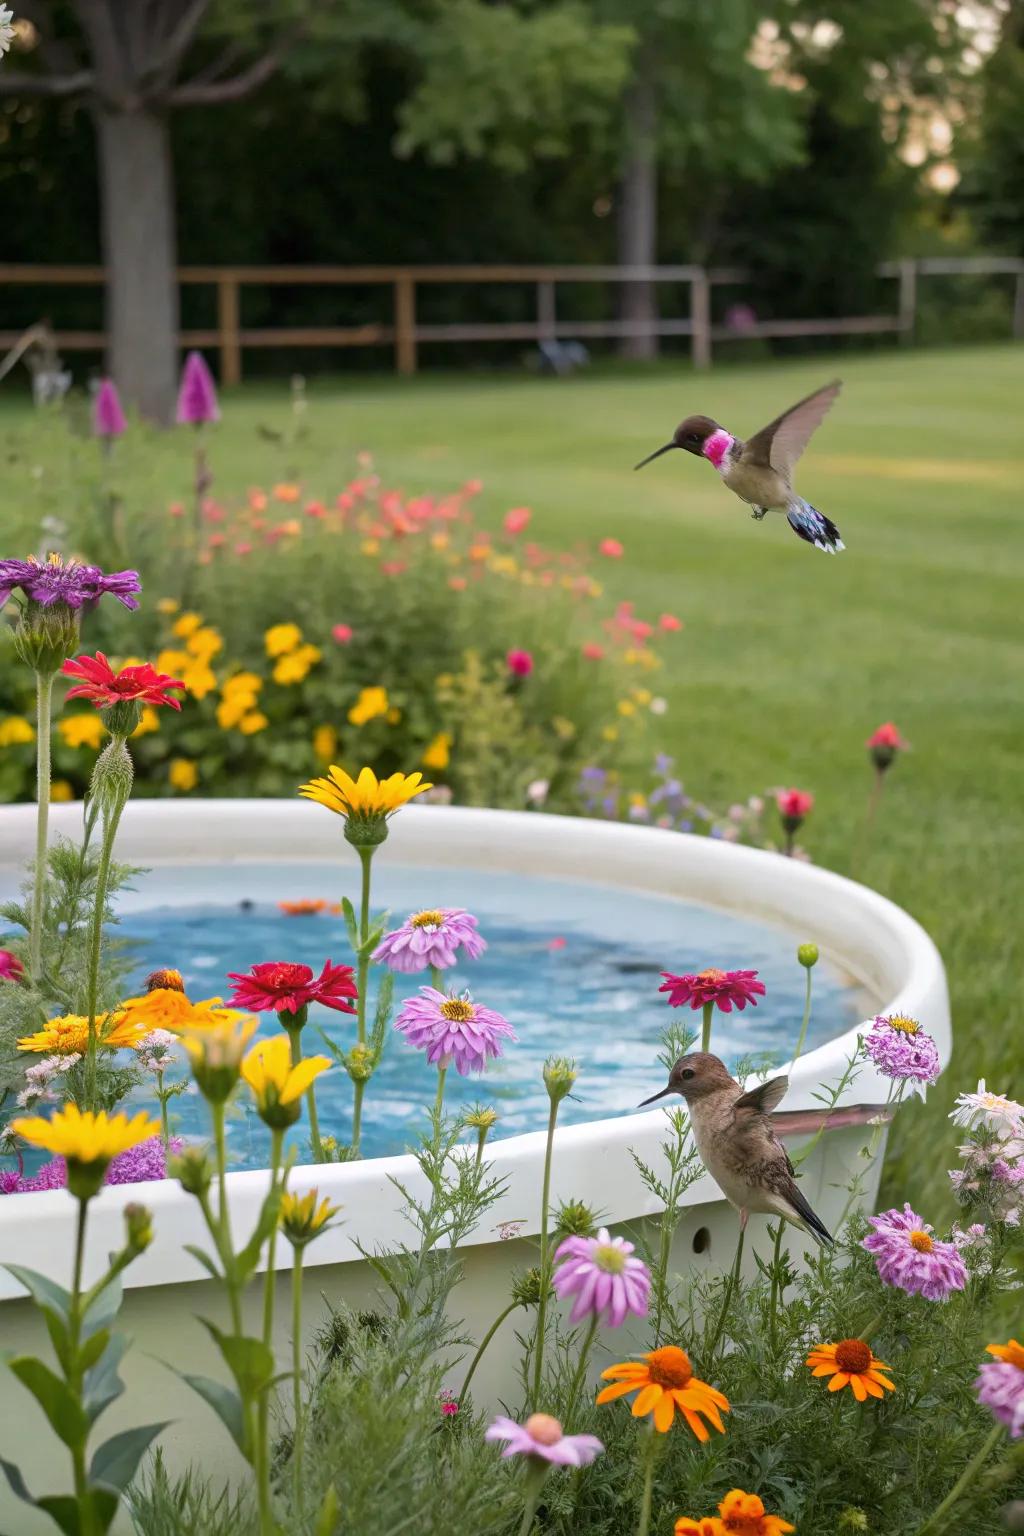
[992, 1109]
[658, 706]
[6, 30]
[537, 792]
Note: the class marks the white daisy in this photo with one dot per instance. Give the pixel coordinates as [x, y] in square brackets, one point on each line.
[6, 30]
[993, 1109]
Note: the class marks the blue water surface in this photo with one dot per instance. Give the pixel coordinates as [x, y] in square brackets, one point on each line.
[573, 966]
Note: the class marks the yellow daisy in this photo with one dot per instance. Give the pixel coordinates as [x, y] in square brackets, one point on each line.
[277, 1085]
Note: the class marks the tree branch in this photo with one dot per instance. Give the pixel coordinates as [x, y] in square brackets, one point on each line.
[13, 83]
[174, 44]
[195, 93]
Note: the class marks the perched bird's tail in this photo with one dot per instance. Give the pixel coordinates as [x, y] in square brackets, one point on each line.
[809, 1220]
[810, 524]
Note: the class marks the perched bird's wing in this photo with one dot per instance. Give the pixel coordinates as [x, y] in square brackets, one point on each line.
[802, 1122]
[778, 445]
[789, 1189]
[761, 1100]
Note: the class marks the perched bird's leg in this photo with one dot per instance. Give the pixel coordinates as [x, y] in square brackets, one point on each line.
[744, 1218]
[758, 513]
[734, 1276]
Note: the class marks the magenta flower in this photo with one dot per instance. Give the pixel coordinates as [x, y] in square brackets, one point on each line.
[901, 1049]
[280, 986]
[453, 1029]
[107, 415]
[541, 1437]
[725, 988]
[197, 394]
[519, 663]
[74, 585]
[139, 1165]
[1000, 1385]
[11, 967]
[605, 1277]
[910, 1257]
[885, 745]
[431, 938]
[794, 805]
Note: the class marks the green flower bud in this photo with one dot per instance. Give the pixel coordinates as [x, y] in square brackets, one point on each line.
[46, 636]
[138, 1226]
[122, 718]
[192, 1169]
[112, 778]
[359, 1063]
[85, 1177]
[852, 1519]
[366, 831]
[526, 1288]
[559, 1077]
[807, 954]
[575, 1219]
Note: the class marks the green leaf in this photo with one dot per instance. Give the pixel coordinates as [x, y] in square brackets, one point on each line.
[63, 1508]
[16, 1481]
[203, 1258]
[65, 1413]
[250, 1361]
[327, 1517]
[226, 1404]
[102, 1384]
[116, 1460]
[92, 1349]
[270, 1211]
[44, 1292]
[349, 913]
[103, 1309]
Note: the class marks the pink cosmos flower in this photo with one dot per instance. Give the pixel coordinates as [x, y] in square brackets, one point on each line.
[431, 938]
[197, 394]
[342, 633]
[107, 415]
[902, 1050]
[453, 1029]
[11, 967]
[277, 986]
[449, 1405]
[605, 1277]
[541, 1437]
[517, 520]
[910, 1257]
[794, 805]
[1000, 1385]
[669, 622]
[520, 663]
[724, 988]
[592, 651]
[611, 548]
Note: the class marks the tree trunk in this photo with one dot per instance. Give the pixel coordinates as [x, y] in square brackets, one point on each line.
[638, 210]
[139, 249]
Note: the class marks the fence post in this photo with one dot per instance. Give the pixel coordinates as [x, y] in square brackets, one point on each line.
[405, 324]
[908, 300]
[546, 317]
[1018, 304]
[227, 325]
[700, 320]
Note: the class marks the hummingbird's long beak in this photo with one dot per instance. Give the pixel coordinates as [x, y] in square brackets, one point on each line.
[655, 455]
[654, 1096]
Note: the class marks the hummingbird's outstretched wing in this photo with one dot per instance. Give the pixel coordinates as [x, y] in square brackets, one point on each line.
[782, 441]
[760, 1100]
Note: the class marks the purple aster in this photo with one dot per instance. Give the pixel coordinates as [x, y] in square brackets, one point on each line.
[431, 938]
[910, 1257]
[197, 394]
[901, 1049]
[604, 1276]
[541, 1437]
[52, 581]
[13, 573]
[107, 415]
[453, 1029]
[139, 1165]
[1000, 1385]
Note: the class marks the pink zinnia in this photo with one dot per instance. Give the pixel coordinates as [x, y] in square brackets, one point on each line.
[725, 988]
[910, 1257]
[605, 1277]
[541, 1438]
[592, 651]
[197, 394]
[342, 633]
[884, 744]
[611, 548]
[668, 621]
[453, 1030]
[794, 805]
[107, 415]
[278, 986]
[1000, 1385]
[431, 938]
[10, 966]
[517, 520]
[520, 663]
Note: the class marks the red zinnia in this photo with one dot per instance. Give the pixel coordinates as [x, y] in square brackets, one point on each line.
[887, 735]
[519, 663]
[103, 686]
[277, 986]
[794, 805]
[11, 967]
[713, 986]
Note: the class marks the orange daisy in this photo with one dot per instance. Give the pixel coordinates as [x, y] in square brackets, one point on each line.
[664, 1381]
[307, 907]
[850, 1363]
[709, 1526]
[743, 1515]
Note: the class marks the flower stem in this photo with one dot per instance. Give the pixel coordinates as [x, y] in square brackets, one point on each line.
[362, 979]
[531, 1495]
[269, 1279]
[44, 700]
[439, 1100]
[538, 1353]
[581, 1366]
[937, 1518]
[437, 978]
[74, 1374]
[165, 1129]
[643, 1524]
[705, 1032]
[294, 1031]
[806, 1021]
[223, 1217]
[488, 1336]
[262, 1447]
[727, 1299]
[298, 1416]
[110, 824]
[777, 1285]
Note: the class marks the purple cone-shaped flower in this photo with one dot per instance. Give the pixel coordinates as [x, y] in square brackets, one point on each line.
[53, 581]
[901, 1049]
[910, 1257]
[1000, 1386]
[431, 938]
[541, 1436]
[197, 393]
[453, 1029]
[107, 415]
[605, 1277]
[139, 1165]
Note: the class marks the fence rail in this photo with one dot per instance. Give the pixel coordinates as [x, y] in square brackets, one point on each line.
[405, 332]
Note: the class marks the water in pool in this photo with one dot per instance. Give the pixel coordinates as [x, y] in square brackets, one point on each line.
[572, 966]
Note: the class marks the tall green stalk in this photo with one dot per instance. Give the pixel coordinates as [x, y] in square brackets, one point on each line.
[644, 1522]
[44, 702]
[538, 1353]
[262, 1447]
[298, 1413]
[806, 1021]
[734, 1276]
[488, 1336]
[293, 1025]
[110, 825]
[705, 1030]
[937, 1518]
[362, 979]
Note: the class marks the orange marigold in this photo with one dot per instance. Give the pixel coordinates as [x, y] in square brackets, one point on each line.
[664, 1381]
[850, 1363]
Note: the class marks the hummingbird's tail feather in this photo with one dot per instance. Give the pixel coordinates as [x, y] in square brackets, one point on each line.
[810, 524]
[809, 1218]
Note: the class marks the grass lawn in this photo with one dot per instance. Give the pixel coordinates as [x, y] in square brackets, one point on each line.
[791, 658]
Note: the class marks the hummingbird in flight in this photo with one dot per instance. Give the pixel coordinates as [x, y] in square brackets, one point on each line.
[760, 470]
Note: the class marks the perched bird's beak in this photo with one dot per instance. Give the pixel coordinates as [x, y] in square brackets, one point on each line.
[655, 455]
[669, 1089]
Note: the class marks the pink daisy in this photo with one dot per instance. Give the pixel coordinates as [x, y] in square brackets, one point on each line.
[605, 1277]
[541, 1437]
[910, 1257]
[431, 938]
[724, 988]
[453, 1029]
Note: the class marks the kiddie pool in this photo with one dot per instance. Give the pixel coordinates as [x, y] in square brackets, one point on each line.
[867, 943]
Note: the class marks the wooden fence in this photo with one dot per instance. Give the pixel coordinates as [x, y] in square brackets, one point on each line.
[405, 333]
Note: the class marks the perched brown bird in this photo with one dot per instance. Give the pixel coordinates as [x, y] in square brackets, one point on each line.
[736, 1139]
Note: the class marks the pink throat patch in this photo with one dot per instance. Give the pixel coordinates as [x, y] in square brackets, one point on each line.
[717, 446]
